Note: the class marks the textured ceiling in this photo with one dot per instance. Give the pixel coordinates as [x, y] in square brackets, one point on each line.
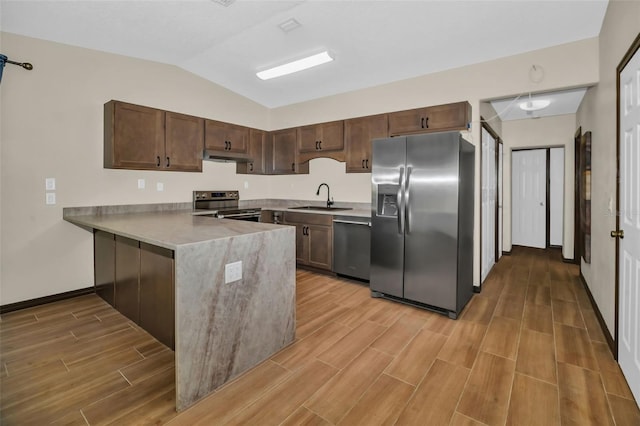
[373, 42]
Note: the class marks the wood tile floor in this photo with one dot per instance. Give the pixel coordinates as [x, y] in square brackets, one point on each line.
[527, 350]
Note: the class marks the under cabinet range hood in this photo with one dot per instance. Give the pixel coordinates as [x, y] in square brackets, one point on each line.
[225, 157]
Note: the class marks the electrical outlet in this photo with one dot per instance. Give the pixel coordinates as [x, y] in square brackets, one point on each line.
[159, 186]
[141, 184]
[50, 184]
[233, 272]
[51, 198]
[246, 185]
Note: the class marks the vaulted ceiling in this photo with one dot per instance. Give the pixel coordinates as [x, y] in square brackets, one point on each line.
[373, 42]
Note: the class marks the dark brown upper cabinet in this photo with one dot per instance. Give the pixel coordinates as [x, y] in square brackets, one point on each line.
[321, 137]
[226, 137]
[358, 134]
[284, 153]
[440, 118]
[143, 138]
[257, 151]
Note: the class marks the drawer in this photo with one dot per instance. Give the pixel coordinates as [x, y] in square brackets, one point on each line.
[308, 218]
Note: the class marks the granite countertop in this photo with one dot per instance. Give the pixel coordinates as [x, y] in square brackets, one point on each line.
[352, 213]
[169, 229]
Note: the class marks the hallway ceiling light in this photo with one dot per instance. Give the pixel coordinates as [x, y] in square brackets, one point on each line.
[295, 66]
[534, 105]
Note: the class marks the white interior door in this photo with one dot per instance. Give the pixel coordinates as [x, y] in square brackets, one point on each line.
[489, 199]
[556, 196]
[629, 260]
[500, 159]
[529, 197]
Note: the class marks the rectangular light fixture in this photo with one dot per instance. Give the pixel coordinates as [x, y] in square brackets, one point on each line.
[295, 66]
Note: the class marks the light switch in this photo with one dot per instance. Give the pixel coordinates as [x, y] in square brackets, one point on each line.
[232, 272]
[50, 184]
[159, 186]
[246, 185]
[51, 198]
[141, 183]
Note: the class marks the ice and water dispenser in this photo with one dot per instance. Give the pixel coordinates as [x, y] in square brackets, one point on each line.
[387, 203]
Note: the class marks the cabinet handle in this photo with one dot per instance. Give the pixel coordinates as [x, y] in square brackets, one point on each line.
[250, 167]
[158, 161]
[293, 167]
[363, 164]
[422, 122]
[320, 145]
[229, 145]
[316, 145]
[168, 162]
[426, 122]
[367, 163]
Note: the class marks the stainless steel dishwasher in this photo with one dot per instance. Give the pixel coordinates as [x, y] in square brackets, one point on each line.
[352, 246]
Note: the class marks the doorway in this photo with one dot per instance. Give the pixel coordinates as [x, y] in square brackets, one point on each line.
[537, 197]
[489, 213]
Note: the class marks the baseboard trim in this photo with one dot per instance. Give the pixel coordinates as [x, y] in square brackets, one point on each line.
[11, 307]
[506, 253]
[567, 260]
[477, 288]
[610, 341]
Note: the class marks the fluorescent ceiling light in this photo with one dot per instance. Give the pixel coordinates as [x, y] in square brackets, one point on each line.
[295, 66]
[535, 104]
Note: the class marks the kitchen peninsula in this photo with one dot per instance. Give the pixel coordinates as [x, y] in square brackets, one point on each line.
[221, 329]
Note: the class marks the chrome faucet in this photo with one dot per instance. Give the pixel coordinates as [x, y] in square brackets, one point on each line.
[329, 199]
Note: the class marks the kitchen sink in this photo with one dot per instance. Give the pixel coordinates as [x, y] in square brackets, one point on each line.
[326, 209]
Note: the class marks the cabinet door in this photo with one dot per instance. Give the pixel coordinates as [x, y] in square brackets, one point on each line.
[184, 142]
[320, 246]
[302, 244]
[284, 153]
[127, 277]
[225, 137]
[133, 136]
[358, 135]
[257, 145]
[403, 122]
[448, 117]
[157, 292]
[321, 137]
[104, 252]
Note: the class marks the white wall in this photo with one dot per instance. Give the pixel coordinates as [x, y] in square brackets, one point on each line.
[557, 131]
[597, 114]
[52, 127]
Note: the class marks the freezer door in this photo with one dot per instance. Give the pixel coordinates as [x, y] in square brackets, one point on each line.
[387, 218]
[432, 219]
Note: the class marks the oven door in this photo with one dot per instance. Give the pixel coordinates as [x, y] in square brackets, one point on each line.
[250, 217]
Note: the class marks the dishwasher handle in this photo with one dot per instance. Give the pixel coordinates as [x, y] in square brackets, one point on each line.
[352, 222]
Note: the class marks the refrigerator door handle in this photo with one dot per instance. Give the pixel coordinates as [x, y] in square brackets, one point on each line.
[407, 205]
[399, 202]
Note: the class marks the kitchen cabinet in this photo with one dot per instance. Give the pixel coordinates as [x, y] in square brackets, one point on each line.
[142, 138]
[225, 137]
[358, 135]
[256, 150]
[284, 153]
[127, 276]
[321, 137]
[439, 118]
[104, 248]
[157, 292]
[314, 238]
[138, 280]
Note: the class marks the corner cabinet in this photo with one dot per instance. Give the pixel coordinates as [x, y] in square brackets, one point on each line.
[314, 239]
[142, 138]
[226, 137]
[440, 118]
[283, 155]
[358, 134]
[256, 150]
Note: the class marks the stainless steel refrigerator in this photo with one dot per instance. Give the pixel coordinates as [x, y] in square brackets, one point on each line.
[422, 220]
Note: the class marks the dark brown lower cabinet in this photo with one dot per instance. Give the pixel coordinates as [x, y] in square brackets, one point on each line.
[138, 280]
[157, 292]
[127, 277]
[104, 249]
[314, 239]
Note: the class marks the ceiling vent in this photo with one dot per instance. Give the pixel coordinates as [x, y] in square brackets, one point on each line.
[289, 25]
[224, 3]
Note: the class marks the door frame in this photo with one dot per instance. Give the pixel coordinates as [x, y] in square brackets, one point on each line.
[635, 46]
[485, 125]
[577, 241]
